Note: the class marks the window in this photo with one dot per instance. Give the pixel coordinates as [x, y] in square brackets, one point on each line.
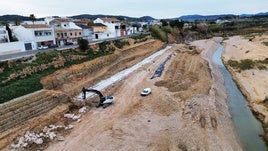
[79, 33]
[65, 34]
[71, 34]
[47, 33]
[75, 34]
[58, 34]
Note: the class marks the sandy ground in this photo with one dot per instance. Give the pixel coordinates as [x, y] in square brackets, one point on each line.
[191, 114]
[252, 82]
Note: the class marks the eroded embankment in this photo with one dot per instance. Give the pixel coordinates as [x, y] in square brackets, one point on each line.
[71, 80]
[45, 107]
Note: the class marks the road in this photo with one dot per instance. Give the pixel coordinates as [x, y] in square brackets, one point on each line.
[33, 52]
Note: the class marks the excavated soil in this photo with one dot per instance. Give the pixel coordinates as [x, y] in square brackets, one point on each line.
[171, 118]
[187, 109]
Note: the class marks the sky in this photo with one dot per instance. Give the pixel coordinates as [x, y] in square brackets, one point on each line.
[132, 8]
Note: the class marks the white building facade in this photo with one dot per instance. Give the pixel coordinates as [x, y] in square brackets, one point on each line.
[113, 26]
[35, 35]
[4, 35]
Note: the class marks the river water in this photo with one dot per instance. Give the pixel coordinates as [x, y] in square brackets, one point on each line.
[248, 128]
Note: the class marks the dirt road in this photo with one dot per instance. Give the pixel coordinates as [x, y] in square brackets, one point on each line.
[187, 110]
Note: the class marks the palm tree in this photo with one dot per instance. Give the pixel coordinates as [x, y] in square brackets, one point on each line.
[32, 18]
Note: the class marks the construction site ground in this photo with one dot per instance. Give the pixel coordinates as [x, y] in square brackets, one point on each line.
[180, 114]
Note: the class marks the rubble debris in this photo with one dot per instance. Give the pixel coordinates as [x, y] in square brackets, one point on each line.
[82, 110]
[48, 132]
[72, 116]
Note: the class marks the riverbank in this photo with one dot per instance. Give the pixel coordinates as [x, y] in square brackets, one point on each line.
[253, 83]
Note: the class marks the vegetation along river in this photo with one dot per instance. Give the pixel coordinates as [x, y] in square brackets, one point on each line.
[248, 128]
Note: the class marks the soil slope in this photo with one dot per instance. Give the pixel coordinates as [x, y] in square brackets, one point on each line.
[187, 110]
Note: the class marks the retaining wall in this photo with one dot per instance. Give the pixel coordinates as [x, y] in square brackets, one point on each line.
[19, 110]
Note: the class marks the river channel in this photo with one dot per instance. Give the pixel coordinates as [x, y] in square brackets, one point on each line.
[248, 128]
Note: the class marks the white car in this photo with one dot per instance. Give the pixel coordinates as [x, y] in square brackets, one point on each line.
[146, 91]
[42, 47]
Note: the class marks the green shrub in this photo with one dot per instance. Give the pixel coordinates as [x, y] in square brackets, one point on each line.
[121, 43]
[246, 64]
[158, 33]
[261, 66]
[265, 43]
[233, 63]
[46, 57]
[168, 29]
[140, 36]
[104, 45]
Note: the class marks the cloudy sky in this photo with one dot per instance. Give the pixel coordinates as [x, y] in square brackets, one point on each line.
[133, 8]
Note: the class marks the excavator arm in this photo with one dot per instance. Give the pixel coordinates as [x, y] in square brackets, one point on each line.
[102, 98]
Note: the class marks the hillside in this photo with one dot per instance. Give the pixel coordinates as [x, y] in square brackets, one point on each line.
[82, 16]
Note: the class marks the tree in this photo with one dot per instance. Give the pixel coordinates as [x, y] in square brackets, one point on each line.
[4, 23]
[32, 18]
[17, 21]
[83, 44]
[164, 22]
[9, 32]
[176, 23]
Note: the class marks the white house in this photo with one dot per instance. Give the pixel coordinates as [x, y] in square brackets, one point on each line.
[66, 31]
[35, 35]
[100, 31]
[4, 35]
[87, 32]
[113, 26]
[155, 23]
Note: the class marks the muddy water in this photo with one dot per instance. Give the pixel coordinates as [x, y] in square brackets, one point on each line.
[248, 128]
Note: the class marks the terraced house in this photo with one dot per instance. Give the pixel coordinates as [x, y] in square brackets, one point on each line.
[35, 35]
[65, 31]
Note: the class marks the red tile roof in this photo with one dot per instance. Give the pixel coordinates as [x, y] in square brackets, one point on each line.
[96, 25]
[110, 19]
[59, 20]
[36, 26]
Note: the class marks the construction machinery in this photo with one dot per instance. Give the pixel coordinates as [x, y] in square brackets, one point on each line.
[104, 101]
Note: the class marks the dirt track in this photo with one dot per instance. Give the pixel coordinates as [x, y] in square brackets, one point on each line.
[182, 113]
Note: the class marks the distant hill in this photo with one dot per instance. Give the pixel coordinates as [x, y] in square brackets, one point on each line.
[208, 17]
[13, 18]
[146, 18]
[92, 17]
[254, 15]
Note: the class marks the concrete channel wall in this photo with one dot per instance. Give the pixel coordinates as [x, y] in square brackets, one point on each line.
[19, 110]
